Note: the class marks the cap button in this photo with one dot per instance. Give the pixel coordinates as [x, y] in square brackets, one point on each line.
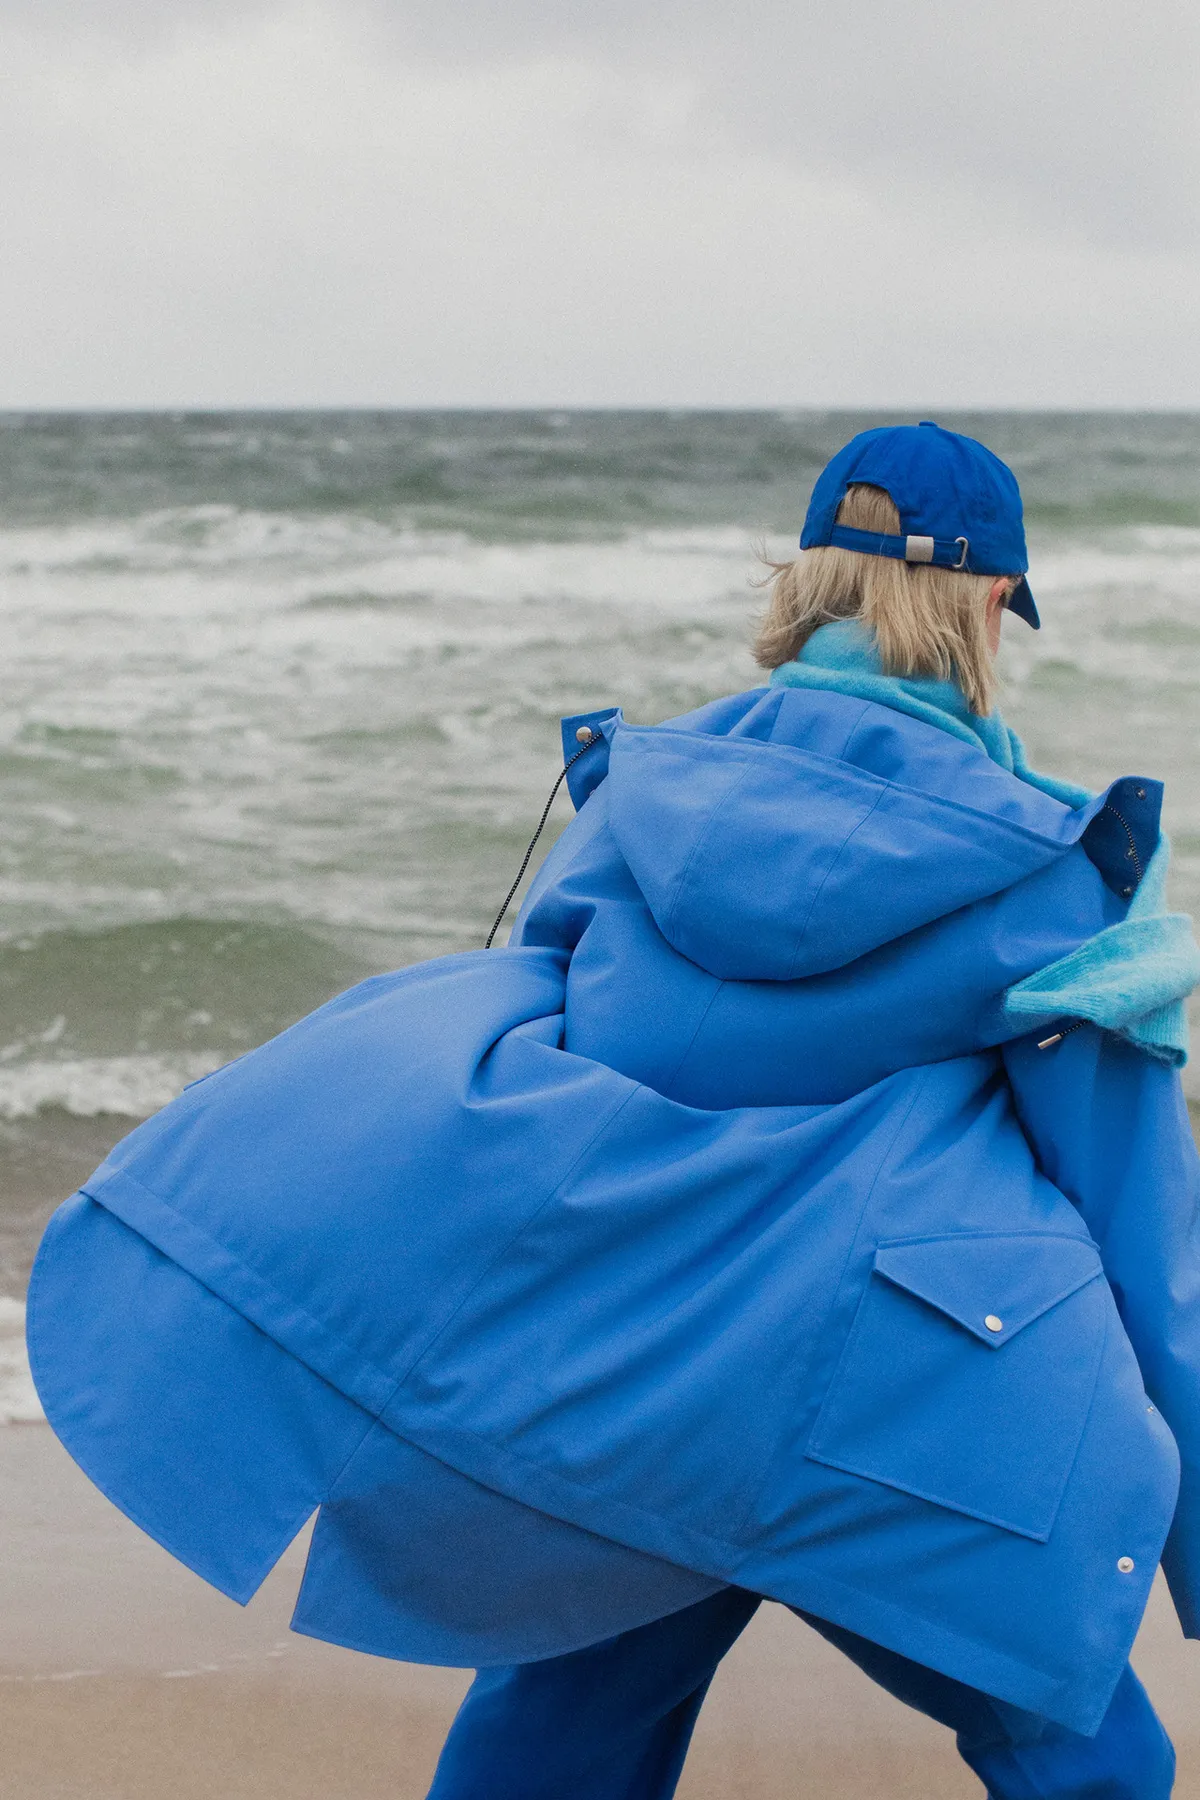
[932, 424]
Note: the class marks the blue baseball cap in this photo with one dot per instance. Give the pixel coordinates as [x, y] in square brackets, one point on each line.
[959, 506]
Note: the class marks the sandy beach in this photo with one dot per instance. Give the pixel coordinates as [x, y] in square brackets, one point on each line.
[122, 1677]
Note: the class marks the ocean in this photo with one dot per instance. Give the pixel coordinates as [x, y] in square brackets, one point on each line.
[279, 697]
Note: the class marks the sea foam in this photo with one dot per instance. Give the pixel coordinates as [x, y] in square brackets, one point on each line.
[19, 1403]
[128, 1086]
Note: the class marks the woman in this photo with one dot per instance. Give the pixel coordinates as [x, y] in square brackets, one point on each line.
[799, 1206]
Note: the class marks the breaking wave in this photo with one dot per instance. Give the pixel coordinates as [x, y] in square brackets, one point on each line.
[129, 1087]
[19, 1404]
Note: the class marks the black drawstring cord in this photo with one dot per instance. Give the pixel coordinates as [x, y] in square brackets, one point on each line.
[1049, 1043]
[593, 737]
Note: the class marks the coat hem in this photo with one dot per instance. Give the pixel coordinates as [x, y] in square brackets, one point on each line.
[1077, 1704]
[1080, 1706]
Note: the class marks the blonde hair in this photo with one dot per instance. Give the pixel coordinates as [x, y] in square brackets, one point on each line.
[925, 620]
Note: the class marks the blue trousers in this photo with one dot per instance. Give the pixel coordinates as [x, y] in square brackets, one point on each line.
[613, 1722]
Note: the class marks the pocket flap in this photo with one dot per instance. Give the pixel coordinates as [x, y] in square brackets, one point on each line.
[992, 1284]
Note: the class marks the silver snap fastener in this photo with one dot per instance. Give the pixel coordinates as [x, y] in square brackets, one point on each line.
[584, 735]
[1141, 793]
[1125, 1564]
[993, 1323]
[1125, 892]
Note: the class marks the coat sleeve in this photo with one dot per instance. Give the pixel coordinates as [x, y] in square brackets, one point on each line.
[1109, 1126]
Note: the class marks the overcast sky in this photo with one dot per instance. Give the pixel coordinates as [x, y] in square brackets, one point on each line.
[447, 202]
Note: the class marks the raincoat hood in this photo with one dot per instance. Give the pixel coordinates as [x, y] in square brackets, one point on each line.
[810, 835]
[697, 821]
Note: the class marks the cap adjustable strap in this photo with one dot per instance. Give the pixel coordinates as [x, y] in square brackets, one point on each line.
[946, 553]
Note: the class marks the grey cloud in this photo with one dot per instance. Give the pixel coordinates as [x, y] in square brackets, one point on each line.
[129, 22]
[1083, 115]
[323, 200]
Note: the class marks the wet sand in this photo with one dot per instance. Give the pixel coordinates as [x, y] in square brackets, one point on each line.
[123, 1677]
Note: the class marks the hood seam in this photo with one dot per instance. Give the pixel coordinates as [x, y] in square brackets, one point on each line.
[841, 849]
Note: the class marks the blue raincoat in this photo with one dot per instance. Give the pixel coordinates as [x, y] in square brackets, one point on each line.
[728, 1226]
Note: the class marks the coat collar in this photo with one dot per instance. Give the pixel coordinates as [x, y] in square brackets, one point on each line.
[843, 657]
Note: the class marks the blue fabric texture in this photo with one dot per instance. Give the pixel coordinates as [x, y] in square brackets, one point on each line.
[576, 1280]
[614, 1722]
[1133, 977]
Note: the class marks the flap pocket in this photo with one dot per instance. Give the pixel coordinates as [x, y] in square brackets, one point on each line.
[968, 1373]
[992, 1285]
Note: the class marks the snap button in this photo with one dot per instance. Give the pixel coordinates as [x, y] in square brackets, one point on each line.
[993, 1323]
[584, 735]
[1125, 1564]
